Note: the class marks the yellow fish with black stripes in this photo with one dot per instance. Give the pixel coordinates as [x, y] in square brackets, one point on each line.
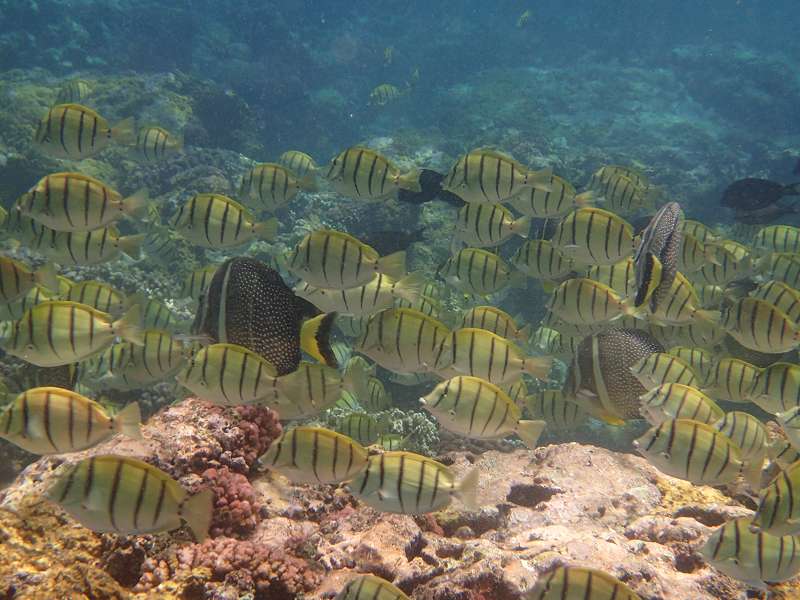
[127, 496]
[331, 259]
[52, 420]
[365, 174]
[314, 455]
[407, 483]
[486, 176]
[75, 131]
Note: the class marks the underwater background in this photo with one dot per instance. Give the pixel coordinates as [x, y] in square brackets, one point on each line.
[693, 95]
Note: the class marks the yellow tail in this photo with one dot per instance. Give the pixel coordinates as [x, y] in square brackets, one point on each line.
[541, 180]
[47, 277]
[128, 421]
[267, 230]
[393, 265]
[587, 198]
[128, 327]
[409, 181]
[137, 204]
[132, 245]
[467, 490]
[522, 226]
[308, 183]
[538, 367]
[314, 338]
[529, 432]
[197, 511]
[124, 132]
[410, 287]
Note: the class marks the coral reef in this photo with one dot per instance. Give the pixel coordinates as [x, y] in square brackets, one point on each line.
[272, 539]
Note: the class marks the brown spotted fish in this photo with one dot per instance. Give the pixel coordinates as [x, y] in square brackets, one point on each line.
[248, 304]
[600, 377]
[656, 259]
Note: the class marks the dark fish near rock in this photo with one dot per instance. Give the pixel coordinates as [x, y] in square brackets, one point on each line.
[600, 377]
[431, 183]
[768, 214]
[656, 259]
[248, 304]
[389, 242]
[754, 194]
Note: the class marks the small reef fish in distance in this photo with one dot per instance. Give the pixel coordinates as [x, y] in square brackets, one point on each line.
[157, 144]
[127, 496]
[247, 303]
[274, 185]
[299, 163]
[51, 420]
[75, 131]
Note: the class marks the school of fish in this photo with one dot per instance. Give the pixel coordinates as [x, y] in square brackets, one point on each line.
[668, 321]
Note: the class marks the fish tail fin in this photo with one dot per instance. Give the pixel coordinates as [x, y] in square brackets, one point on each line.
[128, 327]
[136, 205]
[529, 432]
[197, 511]
[309, 182]
[314, 338]
[124, 132]
[266, 230]
[467, 490]
[356, 381]
[541, 180]
[538, 366]
[131, 245]
[751, 472]
[524, 333]
[548, 286]
[522, 226]
[410, 287]
[47, 276]
[128, 421]
[393, 265]
[409, 181]
[588, 198]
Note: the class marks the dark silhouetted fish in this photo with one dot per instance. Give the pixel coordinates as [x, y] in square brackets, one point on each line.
[754, 194]
[600, 377]
[656, 259]
[389, 242]
[248, 304]
[768, 214]
[431, 183]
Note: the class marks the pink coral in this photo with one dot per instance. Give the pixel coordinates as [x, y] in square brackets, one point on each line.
[235, 506]
[251, 568]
